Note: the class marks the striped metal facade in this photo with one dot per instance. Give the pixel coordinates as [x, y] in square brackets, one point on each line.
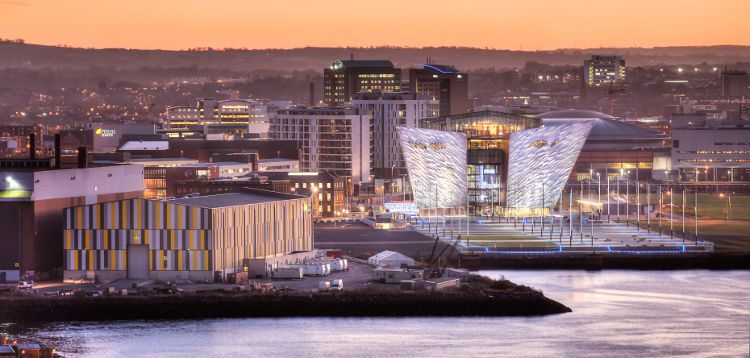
[182, 237]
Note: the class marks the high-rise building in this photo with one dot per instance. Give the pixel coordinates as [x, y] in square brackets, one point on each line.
[735, 83]
[390, 111]
[345, 78]
[332, 139]
[443, 83]
[603, 70]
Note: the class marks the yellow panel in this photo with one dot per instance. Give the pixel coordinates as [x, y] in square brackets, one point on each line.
[79, 217]
[90, 259]
[112, 216]
[157, 215]
[75, 260]
[180, 211]
[124, 213]
[112, 260]
[87, 239]
[68, 239]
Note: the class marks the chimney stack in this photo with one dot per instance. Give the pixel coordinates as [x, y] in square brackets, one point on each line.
[83, 160]
[58, 152]
[32, 146]
[351, 56]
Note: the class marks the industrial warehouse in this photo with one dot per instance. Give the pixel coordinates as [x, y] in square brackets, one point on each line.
[197, 238]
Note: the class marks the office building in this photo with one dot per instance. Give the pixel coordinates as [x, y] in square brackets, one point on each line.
[238, 116]
[711, 151]
[602, 71]
[443, 83]
[199, 238]
[388, 112]
[33, 195]
[345, 78]
[101, 137]
[331, 139]
[735, 83]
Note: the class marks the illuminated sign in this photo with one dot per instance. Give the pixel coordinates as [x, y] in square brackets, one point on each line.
[106, 132]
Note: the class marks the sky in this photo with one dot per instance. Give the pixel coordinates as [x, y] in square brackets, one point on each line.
[257, 24]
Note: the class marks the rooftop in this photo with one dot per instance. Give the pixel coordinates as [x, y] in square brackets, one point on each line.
[574, 114]
[366, 63]
[245, 197]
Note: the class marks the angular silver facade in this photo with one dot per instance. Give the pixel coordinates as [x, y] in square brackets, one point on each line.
[436, 163]
[541, 160]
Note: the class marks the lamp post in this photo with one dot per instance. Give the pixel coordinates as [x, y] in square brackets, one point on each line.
[683, 215]
[696, 216]
[637, 206]
[661, 206]
[648, 205]
[570, 217]
[671, 212]
[608, 193]
[627, 202]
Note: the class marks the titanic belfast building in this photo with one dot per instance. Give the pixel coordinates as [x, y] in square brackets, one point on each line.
[507, 153]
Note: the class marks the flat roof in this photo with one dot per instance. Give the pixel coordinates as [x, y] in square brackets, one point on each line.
[276, 160]
[245, 197]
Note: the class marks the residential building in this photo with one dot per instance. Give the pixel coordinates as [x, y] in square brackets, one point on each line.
[444, 83]
[344, 78]
[389, 111]
[329, 192]
[331, 139]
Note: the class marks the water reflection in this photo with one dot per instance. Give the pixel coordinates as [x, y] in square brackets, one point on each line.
[615, 313]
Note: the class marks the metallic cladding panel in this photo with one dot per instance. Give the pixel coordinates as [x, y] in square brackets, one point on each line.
[541, 160]
[436, 163]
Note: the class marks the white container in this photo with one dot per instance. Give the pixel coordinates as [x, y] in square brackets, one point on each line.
[337, 285]
[287, 273]
[345, 264]
[324, 286]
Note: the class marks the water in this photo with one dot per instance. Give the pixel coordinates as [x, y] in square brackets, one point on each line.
[615, 313]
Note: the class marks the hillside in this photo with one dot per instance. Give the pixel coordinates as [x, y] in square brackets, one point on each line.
[30, 56]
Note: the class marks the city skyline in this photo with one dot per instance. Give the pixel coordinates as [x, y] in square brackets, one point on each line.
[535, 25]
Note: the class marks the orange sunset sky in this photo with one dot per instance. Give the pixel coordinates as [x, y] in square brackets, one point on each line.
[502, 24]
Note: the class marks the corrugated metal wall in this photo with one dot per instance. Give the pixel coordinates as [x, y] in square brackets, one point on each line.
[182, 237]
[96, 236]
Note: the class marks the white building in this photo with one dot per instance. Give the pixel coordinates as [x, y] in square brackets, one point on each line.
[710, 150]
[331, 139]
[390, 111]
[603, 70]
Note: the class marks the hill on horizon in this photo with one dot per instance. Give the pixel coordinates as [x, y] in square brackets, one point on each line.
[31, 56]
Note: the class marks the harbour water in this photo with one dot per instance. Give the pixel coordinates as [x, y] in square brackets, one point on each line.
[694, 313]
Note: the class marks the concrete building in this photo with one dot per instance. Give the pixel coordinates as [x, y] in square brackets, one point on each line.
[239, 116]
[390, 111]
[331, 139]
[197, 238]
[31, 205]
[711, 151]
[278, 165]
[602, 71]
[735, 83]
[345, 78]
[443, 83]
[102, 137]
